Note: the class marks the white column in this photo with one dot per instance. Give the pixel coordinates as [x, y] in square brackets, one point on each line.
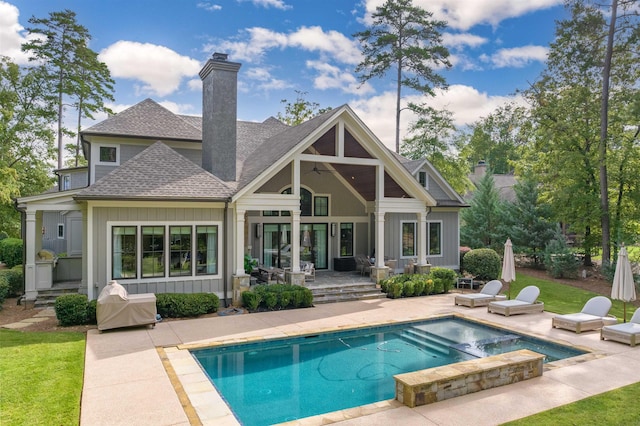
[422, 238]
[295, 241]
[379, 216]
[239, 257]
[88, 252]
[30, 265]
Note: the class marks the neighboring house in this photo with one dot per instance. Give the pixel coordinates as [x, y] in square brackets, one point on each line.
[504, 183]
[174, 203]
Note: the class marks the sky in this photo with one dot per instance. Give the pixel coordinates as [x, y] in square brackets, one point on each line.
[155, 49]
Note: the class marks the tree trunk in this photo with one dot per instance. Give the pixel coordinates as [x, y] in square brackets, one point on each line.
[604, 123]
[398, 94]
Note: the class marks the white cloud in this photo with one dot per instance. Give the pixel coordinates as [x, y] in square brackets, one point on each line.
[277, 4]
[177, 108]
[195, 85]
[11, 34]
[517, 57]
[332, 77]
[332, 43]
[260, 41]
[159, 68]
[466, 103]
[265, 81]
[462, 40]
[208, 6]
[464, 14]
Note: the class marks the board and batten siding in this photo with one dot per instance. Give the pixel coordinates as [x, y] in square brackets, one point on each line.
[103, 216]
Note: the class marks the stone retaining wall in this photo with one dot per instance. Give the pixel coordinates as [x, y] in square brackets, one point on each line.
[440, 383]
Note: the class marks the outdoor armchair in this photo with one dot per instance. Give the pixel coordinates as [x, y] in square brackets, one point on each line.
[488, 294]
[594, 315]
[525, 302]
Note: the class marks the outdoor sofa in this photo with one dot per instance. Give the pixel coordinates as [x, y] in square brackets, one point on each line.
[628, 332]
[488, 294]
[593, 316]
[524, 303]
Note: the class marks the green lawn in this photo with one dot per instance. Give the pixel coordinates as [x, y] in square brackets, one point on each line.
[41, 377]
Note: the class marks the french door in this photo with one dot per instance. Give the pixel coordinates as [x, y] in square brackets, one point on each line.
[276, 244]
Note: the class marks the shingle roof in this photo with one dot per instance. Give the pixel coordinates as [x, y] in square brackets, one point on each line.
[150, 120]
[157, 173]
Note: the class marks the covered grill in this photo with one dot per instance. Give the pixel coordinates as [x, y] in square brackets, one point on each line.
[116, 308]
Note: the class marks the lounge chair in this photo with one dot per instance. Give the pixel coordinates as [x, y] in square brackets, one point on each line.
[524, 303]
[628, 332]
[594, 315]
[488, 294]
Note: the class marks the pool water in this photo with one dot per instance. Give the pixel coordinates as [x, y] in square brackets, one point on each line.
[285, 379]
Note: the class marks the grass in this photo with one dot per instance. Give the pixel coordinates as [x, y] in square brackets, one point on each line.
[41, 377]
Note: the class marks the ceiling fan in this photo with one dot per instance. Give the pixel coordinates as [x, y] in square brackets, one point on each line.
[317, 170]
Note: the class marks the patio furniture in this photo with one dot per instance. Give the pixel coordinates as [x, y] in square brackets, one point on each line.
[363, 265]
[391, 264]
[524, 303]
[309, 272]
[488, 294]
[594, 315]
[116, 308]
[628, 332]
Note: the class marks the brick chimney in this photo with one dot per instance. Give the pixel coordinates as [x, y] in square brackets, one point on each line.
[219, 116]
[480, 169]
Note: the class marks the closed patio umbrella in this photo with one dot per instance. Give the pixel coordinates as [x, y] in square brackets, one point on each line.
[508, 265]
[623, 288]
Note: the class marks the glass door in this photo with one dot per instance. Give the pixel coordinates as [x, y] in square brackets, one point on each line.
[276, 245]
[314, 244]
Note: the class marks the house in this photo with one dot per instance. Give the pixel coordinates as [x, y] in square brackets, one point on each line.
[504, 183]
[173, 203]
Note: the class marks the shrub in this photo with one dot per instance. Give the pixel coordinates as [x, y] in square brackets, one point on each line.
[395, 290]
[71, 309]
[408, 289]
[14, 280]
[443, 279]
[483, 264]
[3, 235]
[91, 312]
[277, 296]
[251, 300]
[179, 305]
[270, 300]
[11, 252]
[419, 286]
[4, 289]
[559, 260]
[463, 250]
[285, 299]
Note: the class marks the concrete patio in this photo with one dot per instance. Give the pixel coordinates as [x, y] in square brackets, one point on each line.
[146, 376]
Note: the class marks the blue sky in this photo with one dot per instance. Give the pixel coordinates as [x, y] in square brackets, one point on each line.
[155, 48]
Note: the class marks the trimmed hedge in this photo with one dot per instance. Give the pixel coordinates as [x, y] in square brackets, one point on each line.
[440, 280]
[179, 305]
[14, 280]
[71, 309]
[273, 297]
[11, 252]
[4, 289]
[483, 264]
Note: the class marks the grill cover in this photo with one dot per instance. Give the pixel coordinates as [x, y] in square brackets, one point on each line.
[116, 308]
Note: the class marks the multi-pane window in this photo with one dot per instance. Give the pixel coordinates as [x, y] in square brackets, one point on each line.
[123, 252]
[346, 239]
[207, 250]
[154, 260]
[321, 206]
[108, 154]
[422, 178]
[408, 239]
[434, 230]
[61, 230]
[180, 254]
[152, 251]
[309, 205]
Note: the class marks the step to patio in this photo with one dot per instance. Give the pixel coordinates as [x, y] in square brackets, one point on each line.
[48, 297]
[345, 293]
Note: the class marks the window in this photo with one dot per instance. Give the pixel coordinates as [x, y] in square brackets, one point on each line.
[408, 239]
[346, 239]
[305, 202]
[124, 252]
[66, 182]
[61, 230]
[180, 243]
[321, 206]
[108, 154]
[434, 232]
[152, 251]
[422, 178]
[207, 254]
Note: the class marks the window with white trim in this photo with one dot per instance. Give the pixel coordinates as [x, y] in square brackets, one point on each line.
[422, 178]
[66, 182]
[123, 252]
[434, 238]
[107, 154]
[408, 239]
[61, 231]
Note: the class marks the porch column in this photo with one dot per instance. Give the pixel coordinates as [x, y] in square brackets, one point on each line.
[422, 238]
[295, 241]
[379, 239]
[30, 266]
[239, 257]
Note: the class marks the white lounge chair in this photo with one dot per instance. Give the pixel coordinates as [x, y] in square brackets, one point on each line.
[594, 315]
[524, 303]
[628, 332]
[488, 294]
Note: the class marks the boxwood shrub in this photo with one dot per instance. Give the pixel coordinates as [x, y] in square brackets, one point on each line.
[11, 252]
[277, 296]
[71, 309]
[483, 264]
[14, 280]
[179, 305]
[440, 280]
[4, 289]
[443, 279]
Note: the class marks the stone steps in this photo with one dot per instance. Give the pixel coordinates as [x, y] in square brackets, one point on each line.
[48, 297]
[344, 293]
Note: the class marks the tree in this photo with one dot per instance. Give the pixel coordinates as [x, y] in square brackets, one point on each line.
[481, 223]
[431, 138]
[59, 44]
[299, 111]
[26, 138]
[406, 37]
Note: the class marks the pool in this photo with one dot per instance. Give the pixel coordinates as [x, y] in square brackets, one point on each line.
[280, 380]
